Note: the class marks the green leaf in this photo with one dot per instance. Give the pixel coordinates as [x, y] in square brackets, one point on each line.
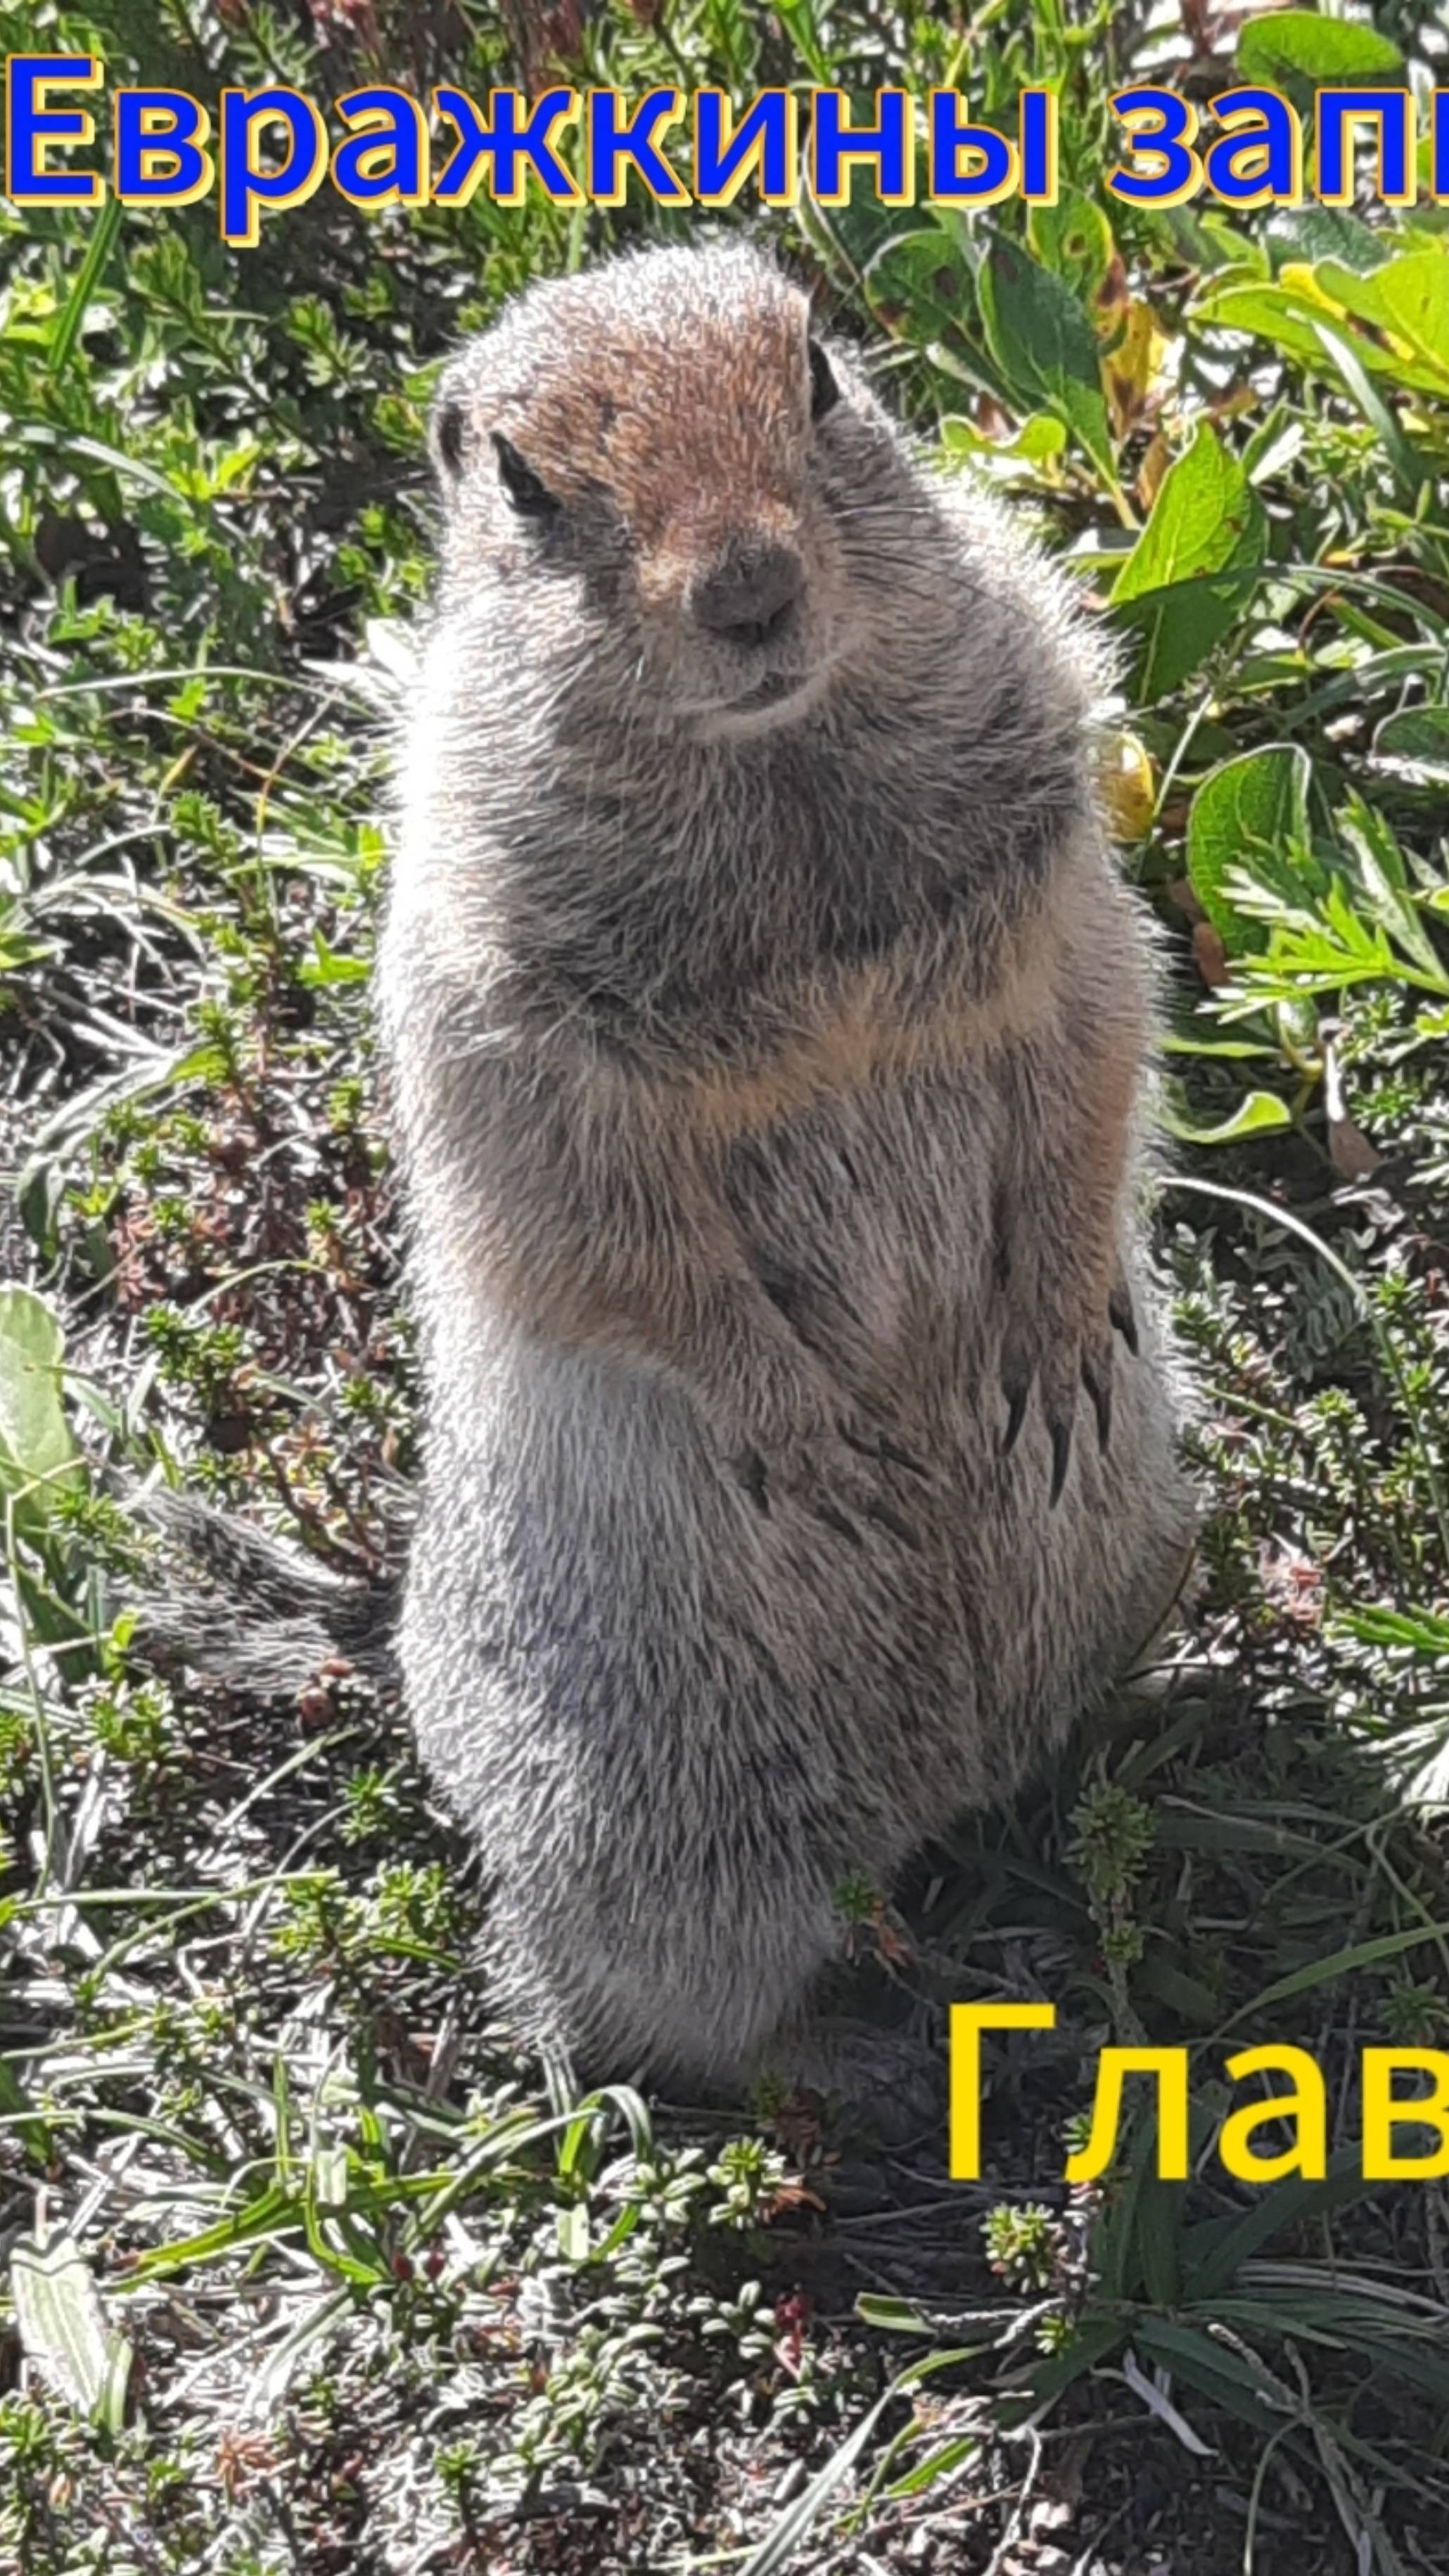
[1418, 736]
[1253, 1117]
[779, 2546]
[1413, 296]
[571, 2229]
[37, 1453]
[1094, 2339]
[1422, 1629]
[1343, 1963]
[937, 2463]
[1306, 234]
[327, 967]
[1073, 238]
[1040, 437]
[1238, 1050]
[62, 2326]
[920, 289]
[1404, 457]
[1206, 521]
[1202, 519]
[1044, 343]
[18, 2113]
[1381, 883]
[1296, 44]
[1248, 807]
[1213, 2251]
[72, 320]
[1212, 2368]
[1275, 313]
[1292, 312]
[890, 2316]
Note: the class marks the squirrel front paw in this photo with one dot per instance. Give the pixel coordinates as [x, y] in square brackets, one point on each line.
[842, 1466]
[1060, 1345]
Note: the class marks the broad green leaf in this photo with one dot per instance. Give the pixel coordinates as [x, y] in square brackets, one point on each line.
[37, 1453]
[1273, 313]
[1291, 311]
[1206, 522]
[1175, 629]
[1408, 298]
[1419, 737]
[1249, 807]
[1253, 1117]
[1202, 517]
[62, 2327]
[1414, 294]
[1297, 45]
[919, 285]
[1307, 234]
[921, 289]
[1040, 437]
[1074, 238]
[1043, 341]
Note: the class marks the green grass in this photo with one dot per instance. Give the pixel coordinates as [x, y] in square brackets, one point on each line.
[306, 2270]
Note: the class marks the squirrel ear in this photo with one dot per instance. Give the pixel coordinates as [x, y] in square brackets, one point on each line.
[448, 437]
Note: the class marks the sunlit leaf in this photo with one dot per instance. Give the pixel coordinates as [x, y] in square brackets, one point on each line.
[1296, 46]
[1254, 1116]
[1250, 807]
[1041, 338]
[62, 2326]
[1419, 738]
[1194, 565]
[37, 1452]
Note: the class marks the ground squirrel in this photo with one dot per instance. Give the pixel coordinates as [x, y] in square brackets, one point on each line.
[766, 1025]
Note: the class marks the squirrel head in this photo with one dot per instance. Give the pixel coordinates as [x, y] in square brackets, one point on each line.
[655, 471]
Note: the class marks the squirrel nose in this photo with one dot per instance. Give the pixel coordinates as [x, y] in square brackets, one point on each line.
[750, 596]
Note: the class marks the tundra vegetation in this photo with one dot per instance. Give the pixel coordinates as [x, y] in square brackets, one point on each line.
[304, 2268]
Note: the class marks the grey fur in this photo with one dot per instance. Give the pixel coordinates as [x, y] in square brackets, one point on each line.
[724, 1587]
[240, 1607]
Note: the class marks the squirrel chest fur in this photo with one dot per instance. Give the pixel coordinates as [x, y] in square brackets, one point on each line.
[766, 1026]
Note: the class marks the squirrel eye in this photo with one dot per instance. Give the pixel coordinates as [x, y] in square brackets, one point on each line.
[824, 391]
[525, 493]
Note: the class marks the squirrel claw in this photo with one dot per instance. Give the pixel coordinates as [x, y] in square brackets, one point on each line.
[1122, 1315]
[1061, 1452]
[1016, 1392]
[1098, 1383]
